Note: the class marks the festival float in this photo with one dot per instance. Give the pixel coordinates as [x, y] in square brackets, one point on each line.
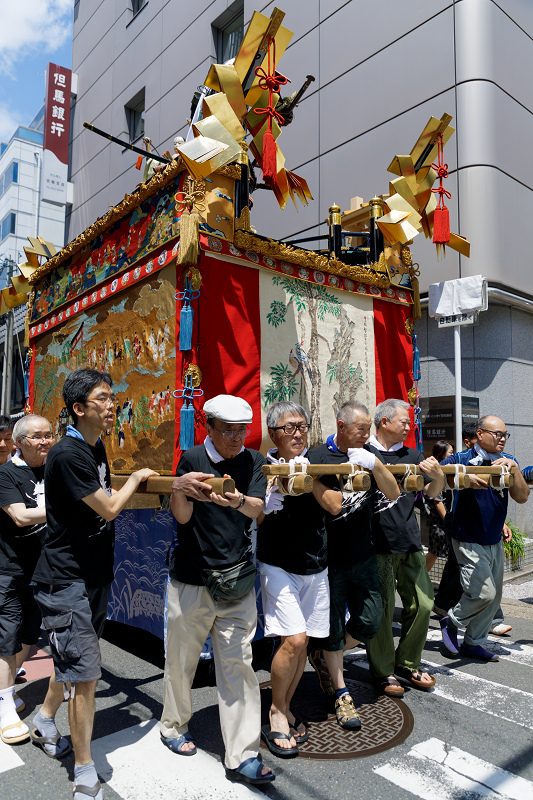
[180, 295]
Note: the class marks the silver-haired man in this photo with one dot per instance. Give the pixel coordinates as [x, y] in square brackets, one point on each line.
[401, 561]
[22, 531]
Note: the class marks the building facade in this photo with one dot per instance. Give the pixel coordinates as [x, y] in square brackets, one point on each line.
[22, 213]
[380, 73]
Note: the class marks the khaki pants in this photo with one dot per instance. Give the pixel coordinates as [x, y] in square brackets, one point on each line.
[192, 614]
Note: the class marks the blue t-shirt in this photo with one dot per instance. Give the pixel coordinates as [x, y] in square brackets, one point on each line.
[478, 514]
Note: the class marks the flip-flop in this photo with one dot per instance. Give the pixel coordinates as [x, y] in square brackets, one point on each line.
[14, 739]
[177, 743]
[40, 741]
[90, 791]
[250, 771]
[414, 679]
[268, 737]
[299, 738]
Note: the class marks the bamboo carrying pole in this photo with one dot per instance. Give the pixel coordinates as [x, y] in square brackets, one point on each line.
[162, 484]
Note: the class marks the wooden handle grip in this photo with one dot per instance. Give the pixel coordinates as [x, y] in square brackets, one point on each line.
[360, 482]
[220, 485]
[302, 484]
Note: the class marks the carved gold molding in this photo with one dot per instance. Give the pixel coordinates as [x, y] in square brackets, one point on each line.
[306, 258]
[242, 223]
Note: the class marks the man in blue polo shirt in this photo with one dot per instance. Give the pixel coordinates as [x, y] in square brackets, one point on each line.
[478, 519]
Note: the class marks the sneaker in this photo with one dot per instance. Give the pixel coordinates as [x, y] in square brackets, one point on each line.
[346, 714]
[501, 628]
[21, 672]
[316, 659]
[449, 636]
[476, 651]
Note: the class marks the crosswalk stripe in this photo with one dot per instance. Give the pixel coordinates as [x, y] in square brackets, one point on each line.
[135, 764]
[504, 702]
[433, 770]
[9, 759]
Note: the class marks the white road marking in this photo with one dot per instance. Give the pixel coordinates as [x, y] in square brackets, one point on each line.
[433, 770]
[136, 765]
[496, 699]
[9, 758]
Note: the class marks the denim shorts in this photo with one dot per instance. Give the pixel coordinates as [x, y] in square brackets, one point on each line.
[73, 617]
[20, 618]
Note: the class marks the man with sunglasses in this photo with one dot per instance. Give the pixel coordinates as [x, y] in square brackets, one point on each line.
[214, 534]
[478, 520]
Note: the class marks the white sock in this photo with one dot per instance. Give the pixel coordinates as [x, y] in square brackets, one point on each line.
[9, 716]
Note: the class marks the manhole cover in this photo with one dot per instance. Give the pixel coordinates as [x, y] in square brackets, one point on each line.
[385, 721]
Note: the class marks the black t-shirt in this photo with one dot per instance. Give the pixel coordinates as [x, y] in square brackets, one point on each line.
[20, 548]
[395, 528]
[350, 531]
[79, 545]
[216, 536]
[295, 538]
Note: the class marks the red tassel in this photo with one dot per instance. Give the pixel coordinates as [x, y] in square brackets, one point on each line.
[270, 171]
[139, 162]
[441, 225]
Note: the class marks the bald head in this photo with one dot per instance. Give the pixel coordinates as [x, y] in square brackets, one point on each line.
[492, 434]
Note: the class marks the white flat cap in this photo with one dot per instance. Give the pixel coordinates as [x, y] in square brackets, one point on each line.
[228, 408]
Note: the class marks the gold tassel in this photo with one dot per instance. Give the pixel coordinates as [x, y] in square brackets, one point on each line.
[417, 310]
[189, 238]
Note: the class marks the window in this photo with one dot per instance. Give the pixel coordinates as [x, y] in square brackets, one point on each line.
[8, 225]
[136, 5]
[11, 175]
[228, 31]
[135, 116]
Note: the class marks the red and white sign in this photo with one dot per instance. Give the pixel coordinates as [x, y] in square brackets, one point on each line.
[56, 134]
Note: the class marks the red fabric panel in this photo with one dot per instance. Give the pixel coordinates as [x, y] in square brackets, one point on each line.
[393, 355]
[31, 378]
[226, 339]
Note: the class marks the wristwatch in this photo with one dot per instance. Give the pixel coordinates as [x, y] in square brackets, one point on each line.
[243, 501]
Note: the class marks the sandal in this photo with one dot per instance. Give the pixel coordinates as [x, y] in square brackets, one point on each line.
[23, 737]
[299, 738]
[390, 686]
[176, 744]
[250, 771]
[347, 716]
[40, 741]
[268, 737]
[414, 679]
[90, 791]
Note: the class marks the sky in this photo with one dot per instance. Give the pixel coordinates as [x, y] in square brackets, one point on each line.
[32, 34]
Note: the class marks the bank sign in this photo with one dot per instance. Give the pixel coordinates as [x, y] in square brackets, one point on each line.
[56, 135]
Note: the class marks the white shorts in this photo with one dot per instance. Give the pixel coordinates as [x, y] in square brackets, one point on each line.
[294, 603]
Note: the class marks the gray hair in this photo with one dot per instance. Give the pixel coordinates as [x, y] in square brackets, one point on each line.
[348, 409]
[388, 409]
[20, 429]
[279, 410]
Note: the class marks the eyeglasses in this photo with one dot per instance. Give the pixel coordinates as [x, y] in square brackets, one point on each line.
[47, 437]
[497, 434]
[290, 428]
[104, 400]
[240, 433]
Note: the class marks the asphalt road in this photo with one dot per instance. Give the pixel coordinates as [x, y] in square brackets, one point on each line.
[472, 736]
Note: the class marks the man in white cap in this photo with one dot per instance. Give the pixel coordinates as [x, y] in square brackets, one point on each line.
[213, 536]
